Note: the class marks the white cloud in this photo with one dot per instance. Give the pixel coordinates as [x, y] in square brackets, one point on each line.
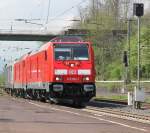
[31, 9]
[6, 3]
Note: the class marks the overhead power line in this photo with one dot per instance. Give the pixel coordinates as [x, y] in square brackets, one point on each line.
[67, 10]
[48, 11]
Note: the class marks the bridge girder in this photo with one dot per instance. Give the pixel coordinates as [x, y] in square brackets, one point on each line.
[26, 37]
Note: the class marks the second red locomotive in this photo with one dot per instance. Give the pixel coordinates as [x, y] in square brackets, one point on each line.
[62, 69]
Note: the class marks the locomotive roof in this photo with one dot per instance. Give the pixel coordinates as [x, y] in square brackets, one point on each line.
[60, 39]
[63, 39]
[23, 57]
[44, 47]
[67, 39]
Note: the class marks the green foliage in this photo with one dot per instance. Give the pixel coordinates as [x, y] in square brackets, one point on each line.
[145, 54]
[104, 23]
[116, 73]
[108, 59]
[2, 79]
[112, 97]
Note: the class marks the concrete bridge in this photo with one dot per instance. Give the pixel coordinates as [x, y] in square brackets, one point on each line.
[26, 36]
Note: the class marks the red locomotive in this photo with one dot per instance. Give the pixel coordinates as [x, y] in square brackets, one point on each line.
[62, 69]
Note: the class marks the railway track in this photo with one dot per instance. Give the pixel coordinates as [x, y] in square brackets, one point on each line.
[123, 102]
[118, 114]
[114, 112]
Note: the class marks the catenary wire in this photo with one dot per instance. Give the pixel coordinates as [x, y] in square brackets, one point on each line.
[67, 10]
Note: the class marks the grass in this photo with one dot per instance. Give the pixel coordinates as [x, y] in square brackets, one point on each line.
[112, 97]
[117, 98]
[148, 99]
[114, 90]
[109, 86]
[130, 87]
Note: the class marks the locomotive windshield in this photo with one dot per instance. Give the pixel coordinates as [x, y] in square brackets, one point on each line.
[71, 52]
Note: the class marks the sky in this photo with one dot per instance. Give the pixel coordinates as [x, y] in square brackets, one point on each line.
[12, 50]
[35, 11]
[60, 12]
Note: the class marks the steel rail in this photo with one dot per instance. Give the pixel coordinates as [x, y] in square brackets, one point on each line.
[119, 114]
[120, 81]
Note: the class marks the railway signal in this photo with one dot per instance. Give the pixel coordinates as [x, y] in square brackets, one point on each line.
[138, 10]
[125, 59]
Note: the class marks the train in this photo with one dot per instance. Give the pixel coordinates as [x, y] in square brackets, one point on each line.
[61, 70]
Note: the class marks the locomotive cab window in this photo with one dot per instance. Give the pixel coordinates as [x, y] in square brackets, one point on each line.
[71, 52]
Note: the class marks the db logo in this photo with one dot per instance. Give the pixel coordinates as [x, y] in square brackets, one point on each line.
[72, 72]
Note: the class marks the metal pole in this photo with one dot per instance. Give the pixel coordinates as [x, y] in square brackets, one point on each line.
[138, 103]
[129, 47]
[93, 10]
[138, 68]
[47, 18]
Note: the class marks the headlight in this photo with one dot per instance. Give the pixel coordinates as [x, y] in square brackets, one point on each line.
[60, 72]
[84, 72]
[86, 78]
[58, 78]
